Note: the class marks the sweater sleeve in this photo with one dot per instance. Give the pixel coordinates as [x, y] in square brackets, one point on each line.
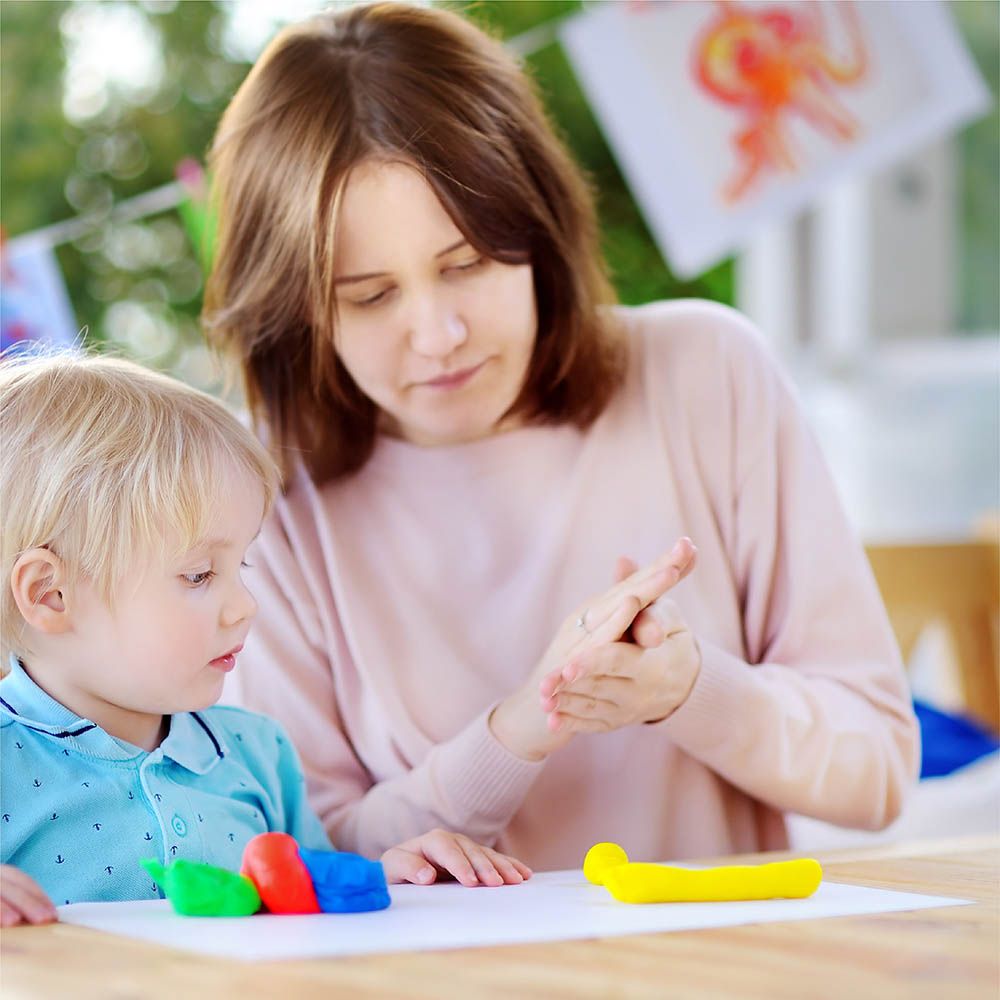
[815, 717]
[470, 783]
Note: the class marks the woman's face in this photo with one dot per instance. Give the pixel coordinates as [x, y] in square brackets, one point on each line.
[438, 336]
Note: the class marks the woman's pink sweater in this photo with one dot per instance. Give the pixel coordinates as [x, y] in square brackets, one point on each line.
[398, 606]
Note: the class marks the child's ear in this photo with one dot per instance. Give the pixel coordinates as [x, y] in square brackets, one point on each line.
[36, 583]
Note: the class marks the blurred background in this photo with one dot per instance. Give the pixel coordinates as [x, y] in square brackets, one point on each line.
[104, 102]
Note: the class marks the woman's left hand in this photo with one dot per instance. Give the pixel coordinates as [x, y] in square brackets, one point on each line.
[441, 852]
[622, 683]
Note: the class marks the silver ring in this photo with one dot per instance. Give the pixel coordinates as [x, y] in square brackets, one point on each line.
[581, 622]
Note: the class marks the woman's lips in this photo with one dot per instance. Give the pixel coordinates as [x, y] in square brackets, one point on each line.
[454, 380]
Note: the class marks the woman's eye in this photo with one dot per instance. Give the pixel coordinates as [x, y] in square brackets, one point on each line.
[470, 265]
[197, 579]
[372, 300]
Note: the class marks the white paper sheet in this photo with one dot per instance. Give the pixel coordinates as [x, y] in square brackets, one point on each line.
[551, 906]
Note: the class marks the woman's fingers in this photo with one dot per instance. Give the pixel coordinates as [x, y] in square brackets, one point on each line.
[624, 568]
[401, 865]
[448, 855]
[645, 630]
[519, 866]
[484, 864]
[589, 695]
[607, 658]
[492, 867]
[670, 618]
[645, 585]
[509, 869]
[471, 864]
[617, 622]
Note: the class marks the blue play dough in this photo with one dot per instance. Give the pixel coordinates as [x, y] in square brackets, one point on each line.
[346, 883]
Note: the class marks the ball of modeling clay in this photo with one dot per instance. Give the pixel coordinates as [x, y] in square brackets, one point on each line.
[199, 890]
[600, 859]
[346, 883]
[271, 861]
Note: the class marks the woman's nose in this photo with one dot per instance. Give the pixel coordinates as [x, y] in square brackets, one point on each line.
[437, 332]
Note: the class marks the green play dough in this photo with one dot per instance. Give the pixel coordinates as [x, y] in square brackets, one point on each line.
[200, 890]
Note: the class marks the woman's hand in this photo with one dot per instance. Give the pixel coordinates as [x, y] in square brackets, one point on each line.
[22, 900]
[439, 852]
[519, 722]
[622, 683]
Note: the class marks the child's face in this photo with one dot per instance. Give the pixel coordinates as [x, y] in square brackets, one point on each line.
[174, 631]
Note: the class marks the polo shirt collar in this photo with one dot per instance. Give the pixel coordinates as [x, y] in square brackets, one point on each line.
[192, 741]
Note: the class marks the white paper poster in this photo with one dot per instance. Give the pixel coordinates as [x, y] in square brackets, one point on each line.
[731, 115]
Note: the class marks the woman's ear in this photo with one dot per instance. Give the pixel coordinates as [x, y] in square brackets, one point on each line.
[36, 582]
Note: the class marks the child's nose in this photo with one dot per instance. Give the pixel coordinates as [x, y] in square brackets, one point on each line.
[240, 607]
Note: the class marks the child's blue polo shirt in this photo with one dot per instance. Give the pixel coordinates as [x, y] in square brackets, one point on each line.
[79, 809]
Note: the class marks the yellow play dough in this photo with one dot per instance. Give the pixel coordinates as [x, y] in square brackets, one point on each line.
[600, 859]
[645, 883]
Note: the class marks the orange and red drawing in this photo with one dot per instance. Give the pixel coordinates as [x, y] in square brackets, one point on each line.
[772, 63]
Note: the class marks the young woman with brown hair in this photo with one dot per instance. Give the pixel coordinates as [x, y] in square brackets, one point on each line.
[473, 435]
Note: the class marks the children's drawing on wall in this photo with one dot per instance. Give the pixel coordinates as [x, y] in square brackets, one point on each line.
[727, 115]
[34, 305]
[770, 66]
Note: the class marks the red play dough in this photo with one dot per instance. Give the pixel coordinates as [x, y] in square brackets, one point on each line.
[271, 861]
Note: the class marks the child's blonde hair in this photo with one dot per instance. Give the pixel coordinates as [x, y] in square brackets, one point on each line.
[102, 461]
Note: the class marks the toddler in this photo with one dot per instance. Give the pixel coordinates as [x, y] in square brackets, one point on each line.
[128, 501]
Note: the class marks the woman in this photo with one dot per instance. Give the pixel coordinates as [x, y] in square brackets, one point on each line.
[475, 440]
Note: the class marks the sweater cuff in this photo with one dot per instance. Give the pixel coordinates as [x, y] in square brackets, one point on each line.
[480, 778]
[716, 707]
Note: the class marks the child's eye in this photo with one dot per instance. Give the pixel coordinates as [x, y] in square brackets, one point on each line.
[197, 579]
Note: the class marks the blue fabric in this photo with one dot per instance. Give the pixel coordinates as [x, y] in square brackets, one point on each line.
[79, 809]
[949, 741]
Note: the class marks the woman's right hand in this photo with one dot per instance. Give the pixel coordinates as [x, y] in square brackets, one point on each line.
[22, 900]
[519, 722]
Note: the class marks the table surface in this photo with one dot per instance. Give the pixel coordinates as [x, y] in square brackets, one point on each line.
[951, 952]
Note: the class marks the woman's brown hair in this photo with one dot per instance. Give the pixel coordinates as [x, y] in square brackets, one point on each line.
[423, 86]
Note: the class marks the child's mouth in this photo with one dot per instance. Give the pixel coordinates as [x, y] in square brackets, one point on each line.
[227, 661]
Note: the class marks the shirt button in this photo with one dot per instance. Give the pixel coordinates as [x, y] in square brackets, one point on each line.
[179, 826]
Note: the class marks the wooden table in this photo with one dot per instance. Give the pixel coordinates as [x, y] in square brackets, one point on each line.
[945, 953]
